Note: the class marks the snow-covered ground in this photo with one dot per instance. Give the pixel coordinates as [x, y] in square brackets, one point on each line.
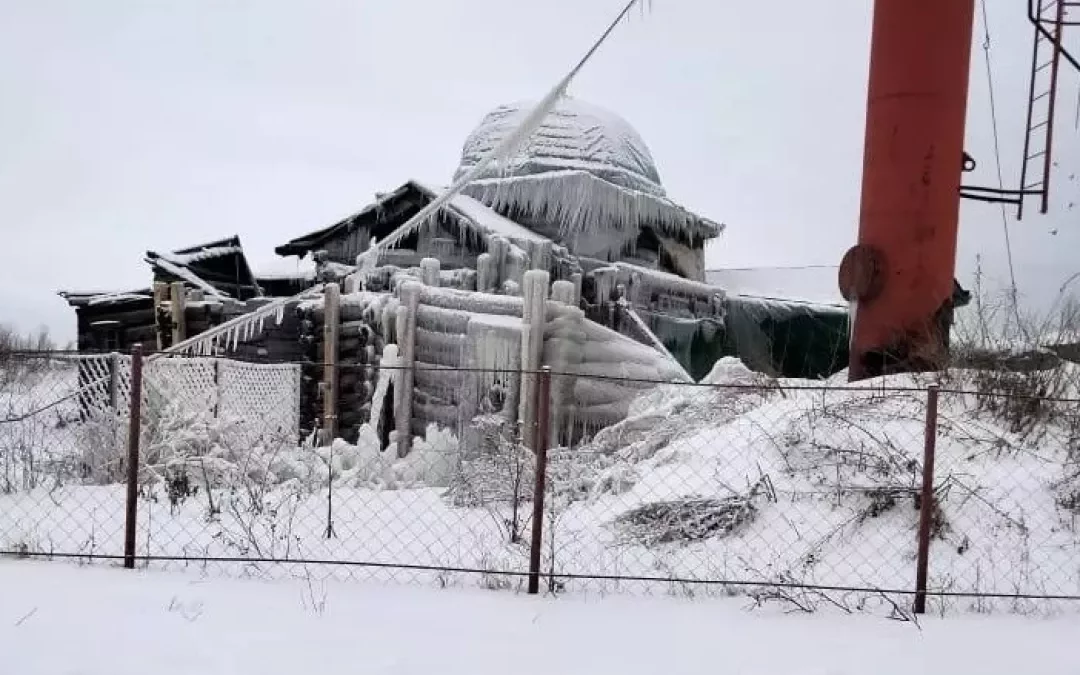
[60, 619]
[750, 481]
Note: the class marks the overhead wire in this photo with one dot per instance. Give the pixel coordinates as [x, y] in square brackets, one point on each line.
[986, 44]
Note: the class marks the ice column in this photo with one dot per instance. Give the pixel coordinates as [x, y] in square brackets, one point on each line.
[331, 332]
[429, 271]
[406, 329]
[533, 317]
[563, 291]
[486, 273]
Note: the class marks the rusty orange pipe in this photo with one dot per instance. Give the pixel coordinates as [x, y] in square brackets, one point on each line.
[900, 275]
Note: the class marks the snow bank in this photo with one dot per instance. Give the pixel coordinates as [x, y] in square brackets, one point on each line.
[841, 472]
[731, 371]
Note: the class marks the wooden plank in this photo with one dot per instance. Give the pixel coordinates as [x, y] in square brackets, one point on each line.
[178, 301]
[161, 289]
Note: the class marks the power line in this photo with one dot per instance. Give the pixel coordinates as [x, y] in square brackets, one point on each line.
[772, 268]
[997, 157]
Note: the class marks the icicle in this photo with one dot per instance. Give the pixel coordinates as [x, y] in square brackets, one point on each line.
[279, 316]
[219, 335]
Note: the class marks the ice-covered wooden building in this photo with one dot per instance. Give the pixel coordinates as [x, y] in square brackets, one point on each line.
[571, 256]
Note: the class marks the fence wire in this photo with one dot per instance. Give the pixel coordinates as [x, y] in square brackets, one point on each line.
[798, 493]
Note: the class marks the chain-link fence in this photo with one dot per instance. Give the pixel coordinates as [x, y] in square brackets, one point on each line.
[804, 493]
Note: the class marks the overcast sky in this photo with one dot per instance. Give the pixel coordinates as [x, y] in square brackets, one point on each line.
[135, 125]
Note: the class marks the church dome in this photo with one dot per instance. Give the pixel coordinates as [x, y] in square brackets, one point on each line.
[584, 178]
[575, 136]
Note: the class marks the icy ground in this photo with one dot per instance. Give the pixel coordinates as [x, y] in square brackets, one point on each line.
[59, 619]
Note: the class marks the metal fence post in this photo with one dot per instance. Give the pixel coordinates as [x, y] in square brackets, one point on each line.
[134, 427]
[543, 426]
[926, 501]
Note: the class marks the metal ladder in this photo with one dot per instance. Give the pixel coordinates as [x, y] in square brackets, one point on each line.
[1049, 21]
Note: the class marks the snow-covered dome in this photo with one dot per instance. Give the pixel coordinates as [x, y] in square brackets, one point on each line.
[575, 136]
[584, 178]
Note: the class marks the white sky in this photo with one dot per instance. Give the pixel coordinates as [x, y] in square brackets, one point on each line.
[132, 125]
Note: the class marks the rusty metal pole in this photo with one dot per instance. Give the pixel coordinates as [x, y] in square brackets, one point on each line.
[899, 277]
[926, 499]
[540, 444]
[134, 427]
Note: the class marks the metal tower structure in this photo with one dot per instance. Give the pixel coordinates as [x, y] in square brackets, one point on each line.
[899, 277]
[1050, 19]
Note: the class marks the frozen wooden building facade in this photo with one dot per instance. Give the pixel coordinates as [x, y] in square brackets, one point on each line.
[572, 256]
[190, 290]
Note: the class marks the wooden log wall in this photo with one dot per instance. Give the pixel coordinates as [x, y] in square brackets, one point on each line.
[276, 343]
[309, 340]
[360, 341]
[436, 330]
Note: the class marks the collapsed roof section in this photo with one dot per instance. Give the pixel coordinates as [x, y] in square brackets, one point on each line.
[218, 268]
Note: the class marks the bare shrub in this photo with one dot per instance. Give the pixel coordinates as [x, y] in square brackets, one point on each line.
[1013, 361]
[22, 354]
[34, 422]
[498, 477]
[690, 519]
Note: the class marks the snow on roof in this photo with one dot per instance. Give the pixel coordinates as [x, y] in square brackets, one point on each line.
[485, 217]
[79, 298]
[234, 240]
[811, 284]
[285, 268]
[180, 263]
[108, 298]
[187, 275]
[203, 254]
